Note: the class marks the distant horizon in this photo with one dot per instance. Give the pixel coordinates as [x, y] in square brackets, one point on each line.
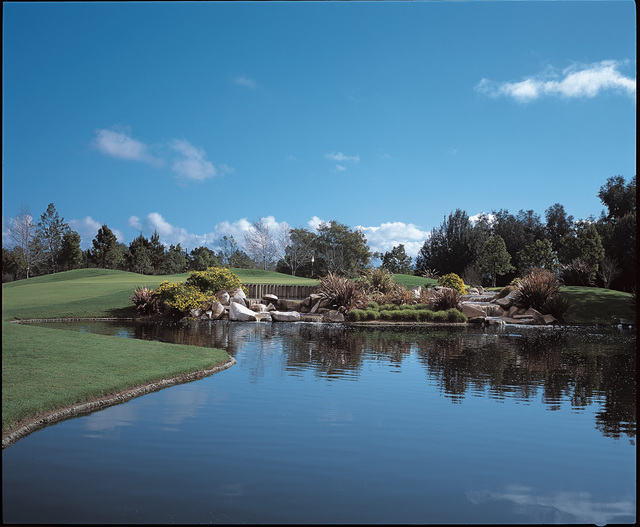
[196, 119]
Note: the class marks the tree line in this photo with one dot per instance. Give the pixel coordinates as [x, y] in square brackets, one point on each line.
[501, 246]
[491, 250]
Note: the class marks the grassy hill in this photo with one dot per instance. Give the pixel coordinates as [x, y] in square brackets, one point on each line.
[100, 292]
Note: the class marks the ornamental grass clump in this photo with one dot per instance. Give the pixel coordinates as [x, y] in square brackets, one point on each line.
[446, 298]
[341, 293]
[381, 286]
[535, 289]
[146, 302]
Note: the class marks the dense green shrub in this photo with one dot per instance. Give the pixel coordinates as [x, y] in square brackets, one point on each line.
[452, 281]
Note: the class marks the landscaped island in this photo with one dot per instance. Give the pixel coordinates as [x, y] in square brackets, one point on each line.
[45, 369]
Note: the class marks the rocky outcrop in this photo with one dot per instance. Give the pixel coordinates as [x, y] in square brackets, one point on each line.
[285, 316]
[240, 312]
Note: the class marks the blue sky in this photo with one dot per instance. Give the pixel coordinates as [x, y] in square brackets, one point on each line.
[195, 119]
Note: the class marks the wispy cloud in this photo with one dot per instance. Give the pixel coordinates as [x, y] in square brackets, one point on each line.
[342, 158]
[576, 81]
[243, 80]
[339, 156]
[187, 161]
[191, 163]
[119, 143]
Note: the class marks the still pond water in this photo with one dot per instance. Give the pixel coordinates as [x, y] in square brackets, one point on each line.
[323, 424]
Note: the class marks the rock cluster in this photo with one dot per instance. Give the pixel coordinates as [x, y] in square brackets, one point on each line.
[481, 308]
[234, 305]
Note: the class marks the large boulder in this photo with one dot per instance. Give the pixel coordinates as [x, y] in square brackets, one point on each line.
[238, 291]
[471, 311]
[258, 308]
[217, 310]
[223, 297]
[241, 313]
[238, 300]
[285, 316]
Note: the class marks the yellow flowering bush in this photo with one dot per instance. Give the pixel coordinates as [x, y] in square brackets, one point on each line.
[182, 297]
[213, 280]
[453, 281]
[178, 296]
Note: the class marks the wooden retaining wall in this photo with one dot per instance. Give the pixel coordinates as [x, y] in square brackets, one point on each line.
[288, 292]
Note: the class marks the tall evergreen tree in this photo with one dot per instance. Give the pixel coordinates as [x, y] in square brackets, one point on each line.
[50, 231]
[70, 256]
[140, 255]
[106, 252]
[452, 247]
[495, 260]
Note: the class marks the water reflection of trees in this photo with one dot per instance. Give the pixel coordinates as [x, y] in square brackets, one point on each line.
[576, 366]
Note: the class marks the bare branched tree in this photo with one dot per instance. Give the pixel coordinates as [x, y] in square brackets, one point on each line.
[608, 271]
[259, 243]
[23, 233]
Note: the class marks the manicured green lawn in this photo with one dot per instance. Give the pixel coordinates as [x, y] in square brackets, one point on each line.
[594, 305]
[411, 281]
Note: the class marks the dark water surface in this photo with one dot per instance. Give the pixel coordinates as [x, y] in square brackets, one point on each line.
[322, 423]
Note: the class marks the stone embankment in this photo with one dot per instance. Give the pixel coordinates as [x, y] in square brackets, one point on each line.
[234, 305]
[479, 307]
[485, 308]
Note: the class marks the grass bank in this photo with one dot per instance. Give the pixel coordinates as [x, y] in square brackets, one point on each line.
[46, 369]
[594, 305]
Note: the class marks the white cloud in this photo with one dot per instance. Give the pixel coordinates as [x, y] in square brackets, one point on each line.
[575, 81]
[134, 222]
[88, 228]
[191, 163]
[243, 80]
[172, 235]
[474, 219]
[120, 144]
[187, 161]
[340, 168]
[314, 223]
[339, 156]
[386, 236]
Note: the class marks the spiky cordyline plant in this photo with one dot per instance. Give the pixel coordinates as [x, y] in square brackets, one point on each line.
[341, 292]
[446, 298]
[145, 301]
[535, 289]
